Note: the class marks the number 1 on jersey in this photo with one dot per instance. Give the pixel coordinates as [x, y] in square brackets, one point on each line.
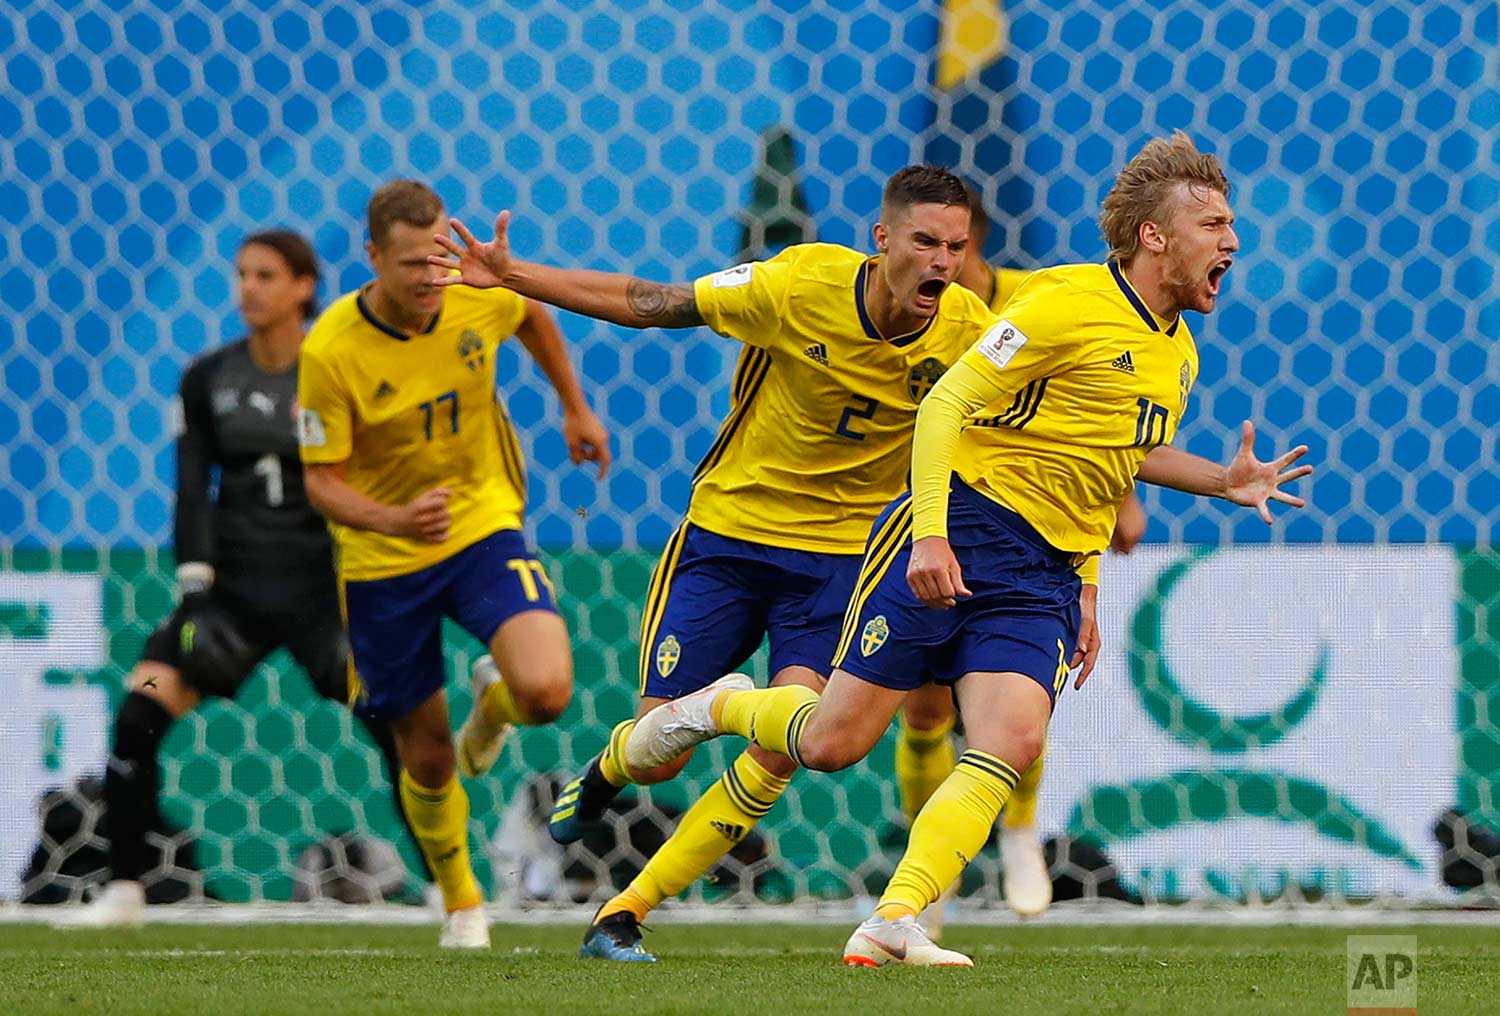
[268, 468]
[429, 408]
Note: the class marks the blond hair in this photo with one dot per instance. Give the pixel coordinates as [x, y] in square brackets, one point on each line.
[1141, 191]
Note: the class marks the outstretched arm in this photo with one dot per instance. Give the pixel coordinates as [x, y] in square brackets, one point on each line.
[1245, 481]
[588, 440]
[621, 299]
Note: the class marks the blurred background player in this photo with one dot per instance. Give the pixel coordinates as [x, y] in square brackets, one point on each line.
[925, 749]
[255, 567]
[840, 348]
[410, 454]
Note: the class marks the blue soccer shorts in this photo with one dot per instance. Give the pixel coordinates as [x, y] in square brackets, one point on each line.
[713, 599]
[1022, 618]
[396, 624]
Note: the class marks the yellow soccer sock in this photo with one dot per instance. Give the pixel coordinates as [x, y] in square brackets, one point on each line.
[924, 758]
[1020, 810]
[499, 706]
[709, 830]
[771, 717]
[949, 832]
[612, 760]
[440, 822]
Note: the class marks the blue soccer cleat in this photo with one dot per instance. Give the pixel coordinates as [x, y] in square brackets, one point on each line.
[579, 804]
[616, 937]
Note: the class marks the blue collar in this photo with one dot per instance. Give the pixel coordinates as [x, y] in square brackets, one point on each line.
[1138, 303]
[864, 315]
[395, 333]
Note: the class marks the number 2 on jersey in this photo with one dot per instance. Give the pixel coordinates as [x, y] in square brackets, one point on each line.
[859, 408]
[430, 409]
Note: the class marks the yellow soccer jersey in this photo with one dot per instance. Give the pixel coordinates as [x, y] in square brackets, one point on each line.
[414, 412]
[818, 439]
[1007, 281]
[1085, 380]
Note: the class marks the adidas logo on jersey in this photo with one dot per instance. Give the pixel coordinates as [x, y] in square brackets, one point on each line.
[384, 390]
[817, 352]
[1123, 362]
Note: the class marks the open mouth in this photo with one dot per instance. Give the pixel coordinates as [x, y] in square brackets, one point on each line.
[1216, 274]
[931, 289]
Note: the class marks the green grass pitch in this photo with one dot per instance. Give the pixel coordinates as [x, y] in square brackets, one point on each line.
[330, 970]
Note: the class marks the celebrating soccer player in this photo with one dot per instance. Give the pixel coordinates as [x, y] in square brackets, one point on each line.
[840, 348]
[925, 753]
[255, 563]
[410, 454]
[986, 573]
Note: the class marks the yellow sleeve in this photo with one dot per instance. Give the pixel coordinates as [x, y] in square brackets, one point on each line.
[1088, 570]
[325, 425]
[1031, 341]
[510, 310]
[746, 302]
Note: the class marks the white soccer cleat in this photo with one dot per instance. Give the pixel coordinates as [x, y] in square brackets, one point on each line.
[878, 942]
[479, 742]
[674, 727]
[932, 917]
[120, 904]
[465, 929]
[1024, 877]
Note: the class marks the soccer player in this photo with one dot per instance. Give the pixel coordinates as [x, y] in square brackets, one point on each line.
[409, 453]
[986, 573]
[255, 563]
[840, 348]
[925, 752]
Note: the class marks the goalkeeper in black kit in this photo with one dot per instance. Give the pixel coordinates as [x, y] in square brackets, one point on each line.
[255, 569]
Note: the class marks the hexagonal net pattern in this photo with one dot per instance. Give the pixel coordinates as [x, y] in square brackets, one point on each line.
[142, 141]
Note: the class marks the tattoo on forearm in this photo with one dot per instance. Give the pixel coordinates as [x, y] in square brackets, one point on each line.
[662, 305]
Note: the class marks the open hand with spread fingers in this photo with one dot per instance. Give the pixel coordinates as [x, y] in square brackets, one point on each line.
[481, 265]
[1254, 484]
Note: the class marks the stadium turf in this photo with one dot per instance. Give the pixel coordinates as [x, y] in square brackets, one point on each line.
[758, 969]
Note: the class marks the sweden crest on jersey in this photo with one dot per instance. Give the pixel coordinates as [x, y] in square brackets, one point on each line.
[667, 655]
[922, 377]
[874, 636]
[471, 349]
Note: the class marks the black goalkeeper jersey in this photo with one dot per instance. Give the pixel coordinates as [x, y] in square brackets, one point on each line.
[241, 502]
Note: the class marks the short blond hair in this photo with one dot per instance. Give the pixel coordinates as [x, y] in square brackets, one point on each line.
[1140, 192]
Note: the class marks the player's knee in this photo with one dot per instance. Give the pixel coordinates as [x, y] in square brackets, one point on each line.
[776, 764]
[544, 700]
[1029, 748]
[1019, 748]
[826, 754]
[662, 773]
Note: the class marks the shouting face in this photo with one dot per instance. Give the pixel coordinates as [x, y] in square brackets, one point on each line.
[1200, 242]
[924, 247]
